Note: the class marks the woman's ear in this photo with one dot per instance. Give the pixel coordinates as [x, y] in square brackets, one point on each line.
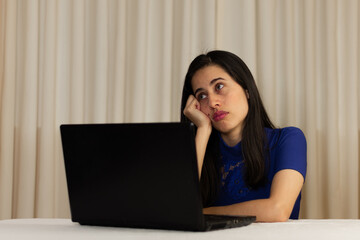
[247, 94]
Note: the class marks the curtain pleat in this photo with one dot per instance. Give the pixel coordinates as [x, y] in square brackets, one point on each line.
[348, 94]
[66, 96]
[26, 109]
[117, 60]
[46, 127]
[312, 200]
[8, 35]
[92, 61]
[77, 60]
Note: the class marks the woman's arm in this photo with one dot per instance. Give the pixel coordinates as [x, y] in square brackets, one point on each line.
[201, 141]
[285, 188]
[203, 124]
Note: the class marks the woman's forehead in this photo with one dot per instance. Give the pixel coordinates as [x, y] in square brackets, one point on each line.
[208, 73]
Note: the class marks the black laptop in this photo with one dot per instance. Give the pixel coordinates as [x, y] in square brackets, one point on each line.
[141, 175]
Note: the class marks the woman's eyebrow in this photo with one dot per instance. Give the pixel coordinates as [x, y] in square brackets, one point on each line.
[211, 83]
[216, 79]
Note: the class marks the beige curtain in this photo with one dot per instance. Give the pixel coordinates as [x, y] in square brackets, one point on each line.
[89, 61]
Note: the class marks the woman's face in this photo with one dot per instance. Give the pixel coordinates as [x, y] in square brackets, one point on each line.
[222, 99]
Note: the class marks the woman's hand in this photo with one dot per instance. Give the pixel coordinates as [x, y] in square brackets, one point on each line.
[192, 111]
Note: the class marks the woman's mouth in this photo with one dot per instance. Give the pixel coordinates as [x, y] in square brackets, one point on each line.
[219, 115]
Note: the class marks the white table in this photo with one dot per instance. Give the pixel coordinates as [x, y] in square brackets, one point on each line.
[65, 229]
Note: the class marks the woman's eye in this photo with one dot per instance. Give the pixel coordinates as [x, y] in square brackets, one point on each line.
[219, 86]
[201, 96]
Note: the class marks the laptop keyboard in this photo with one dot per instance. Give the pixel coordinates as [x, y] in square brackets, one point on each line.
[223, 221]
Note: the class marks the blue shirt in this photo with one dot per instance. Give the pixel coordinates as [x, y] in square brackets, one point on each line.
[287, 151]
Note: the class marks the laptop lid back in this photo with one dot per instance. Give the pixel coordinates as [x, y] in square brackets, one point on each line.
[133, 175]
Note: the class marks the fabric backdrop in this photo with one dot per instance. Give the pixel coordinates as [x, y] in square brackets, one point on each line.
[115, 61]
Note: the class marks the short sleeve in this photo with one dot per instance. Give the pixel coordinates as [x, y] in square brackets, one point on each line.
[291, 151]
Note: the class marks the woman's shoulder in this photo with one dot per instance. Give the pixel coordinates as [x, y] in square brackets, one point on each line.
[280, 136]
[292, 131]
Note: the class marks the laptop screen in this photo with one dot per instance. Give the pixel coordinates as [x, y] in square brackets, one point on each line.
[133, 175]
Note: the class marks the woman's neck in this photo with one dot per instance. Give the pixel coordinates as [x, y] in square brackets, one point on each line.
[231, 139]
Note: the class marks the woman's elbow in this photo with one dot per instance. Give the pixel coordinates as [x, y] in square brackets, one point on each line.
[281, 218]
[280, 213]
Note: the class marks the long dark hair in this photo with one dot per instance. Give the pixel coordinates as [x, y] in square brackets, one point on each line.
[253, 141]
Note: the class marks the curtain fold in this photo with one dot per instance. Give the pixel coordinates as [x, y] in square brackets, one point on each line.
[92, 61]
[26, 109]
[348, 92]
[46, 128]
[8, 22]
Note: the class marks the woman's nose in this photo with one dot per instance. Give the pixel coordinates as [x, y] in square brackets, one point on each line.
[214, 101]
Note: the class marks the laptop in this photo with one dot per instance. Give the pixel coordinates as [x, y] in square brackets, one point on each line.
[140, 175]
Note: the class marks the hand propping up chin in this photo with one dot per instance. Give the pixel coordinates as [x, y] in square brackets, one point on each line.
[194, 114]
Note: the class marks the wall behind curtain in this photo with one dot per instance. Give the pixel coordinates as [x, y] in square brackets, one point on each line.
[89, 61]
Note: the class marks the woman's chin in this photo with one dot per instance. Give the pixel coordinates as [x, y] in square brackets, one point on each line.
[221, 127]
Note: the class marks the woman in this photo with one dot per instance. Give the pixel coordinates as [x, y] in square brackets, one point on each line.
[246, 165]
